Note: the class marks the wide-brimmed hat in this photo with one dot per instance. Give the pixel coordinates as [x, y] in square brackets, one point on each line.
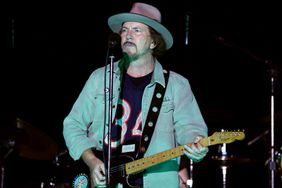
[143, 13]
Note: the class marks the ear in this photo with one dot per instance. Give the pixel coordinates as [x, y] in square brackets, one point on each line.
[153, 45]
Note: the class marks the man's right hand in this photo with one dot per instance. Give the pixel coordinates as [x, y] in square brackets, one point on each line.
[97, 173]
[96, 167]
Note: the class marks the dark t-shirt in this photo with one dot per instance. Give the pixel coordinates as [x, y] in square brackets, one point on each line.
[127, 127]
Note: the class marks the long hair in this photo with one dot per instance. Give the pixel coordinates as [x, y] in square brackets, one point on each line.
[159, 41]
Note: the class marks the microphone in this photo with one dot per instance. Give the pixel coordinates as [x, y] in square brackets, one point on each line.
[113, 40]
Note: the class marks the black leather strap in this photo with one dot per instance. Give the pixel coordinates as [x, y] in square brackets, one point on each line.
[152, 116]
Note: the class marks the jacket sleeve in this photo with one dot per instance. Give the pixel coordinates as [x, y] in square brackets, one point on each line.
[77, 123]
[188, 120]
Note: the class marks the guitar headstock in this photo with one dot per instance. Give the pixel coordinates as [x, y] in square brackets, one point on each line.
[225, 137]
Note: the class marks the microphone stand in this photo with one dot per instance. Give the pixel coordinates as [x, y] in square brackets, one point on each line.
[108, 181]
[272, 164]
[113, 41]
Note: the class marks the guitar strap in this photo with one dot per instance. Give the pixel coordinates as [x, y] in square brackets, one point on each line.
[153, 114]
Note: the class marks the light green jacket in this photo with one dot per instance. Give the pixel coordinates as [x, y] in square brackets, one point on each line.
[179, 122]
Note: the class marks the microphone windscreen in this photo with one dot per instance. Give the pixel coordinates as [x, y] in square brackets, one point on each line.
[113, 40]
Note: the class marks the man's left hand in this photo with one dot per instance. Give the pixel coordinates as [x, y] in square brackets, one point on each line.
[195, 151]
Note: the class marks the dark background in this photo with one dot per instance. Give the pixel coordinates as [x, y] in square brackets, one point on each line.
[50, 49]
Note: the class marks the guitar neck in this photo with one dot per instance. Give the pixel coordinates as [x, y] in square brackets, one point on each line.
[144, 163]
[147, 162]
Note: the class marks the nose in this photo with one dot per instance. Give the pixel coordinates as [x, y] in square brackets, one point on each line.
[128, 36]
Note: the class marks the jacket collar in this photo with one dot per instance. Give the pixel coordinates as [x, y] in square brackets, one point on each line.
[158, 74]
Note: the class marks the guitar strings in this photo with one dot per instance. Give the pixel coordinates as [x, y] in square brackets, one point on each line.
[118, 168]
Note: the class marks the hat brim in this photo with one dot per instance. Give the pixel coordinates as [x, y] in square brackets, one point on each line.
[115, 23]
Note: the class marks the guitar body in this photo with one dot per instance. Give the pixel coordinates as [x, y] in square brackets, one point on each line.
[117, 174]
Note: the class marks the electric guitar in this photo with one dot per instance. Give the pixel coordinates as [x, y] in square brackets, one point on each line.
[125, 167]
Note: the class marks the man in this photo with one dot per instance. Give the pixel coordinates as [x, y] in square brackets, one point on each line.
[136, 76]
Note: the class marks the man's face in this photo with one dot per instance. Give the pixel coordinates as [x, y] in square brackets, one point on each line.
[135, 39]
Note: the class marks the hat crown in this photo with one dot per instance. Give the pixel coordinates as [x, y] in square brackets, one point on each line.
[146, 10]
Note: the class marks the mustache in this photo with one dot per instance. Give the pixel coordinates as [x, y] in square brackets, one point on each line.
[128, 43]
